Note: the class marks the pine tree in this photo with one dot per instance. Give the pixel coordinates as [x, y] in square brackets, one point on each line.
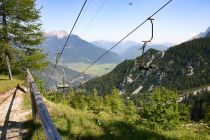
[130, 110]
[19, 31]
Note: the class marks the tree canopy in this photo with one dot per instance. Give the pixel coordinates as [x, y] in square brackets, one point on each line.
[20, 31]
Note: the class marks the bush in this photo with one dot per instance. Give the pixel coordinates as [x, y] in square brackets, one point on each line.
[160, 110]
[110, 103]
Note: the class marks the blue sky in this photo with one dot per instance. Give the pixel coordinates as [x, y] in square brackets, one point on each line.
[178, 22]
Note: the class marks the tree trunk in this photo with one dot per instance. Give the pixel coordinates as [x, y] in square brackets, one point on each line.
[5, 36]
[8, 66]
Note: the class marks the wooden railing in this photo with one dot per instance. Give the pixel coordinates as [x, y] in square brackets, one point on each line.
[39, 109]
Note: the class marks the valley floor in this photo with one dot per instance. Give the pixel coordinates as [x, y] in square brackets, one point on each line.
[97, 69]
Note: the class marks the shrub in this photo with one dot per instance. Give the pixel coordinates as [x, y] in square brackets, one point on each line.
[160, 110]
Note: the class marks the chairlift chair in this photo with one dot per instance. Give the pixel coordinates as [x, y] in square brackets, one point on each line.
[141, 65]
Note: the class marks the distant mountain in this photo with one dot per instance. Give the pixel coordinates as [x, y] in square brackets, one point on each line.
[133, 51]
[182, 67]
[103, 44]
[77, 49]
[119, 49]
[58, 74]
[203, 34]
[129, 49]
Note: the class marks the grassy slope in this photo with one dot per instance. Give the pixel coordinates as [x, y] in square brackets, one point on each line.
[6, 84]
[84, 125]
[78, 124]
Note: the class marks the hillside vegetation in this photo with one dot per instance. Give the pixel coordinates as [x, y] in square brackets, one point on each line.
[77, 116]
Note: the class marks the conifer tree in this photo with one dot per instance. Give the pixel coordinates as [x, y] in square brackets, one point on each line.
[116, 101]
[20, 30]
[94, 102]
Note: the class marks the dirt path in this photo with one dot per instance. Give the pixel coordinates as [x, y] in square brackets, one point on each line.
[12, 115]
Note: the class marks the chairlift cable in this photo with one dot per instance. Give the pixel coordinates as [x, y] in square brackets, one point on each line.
[149, 18]
[58, 58]
[93, 18]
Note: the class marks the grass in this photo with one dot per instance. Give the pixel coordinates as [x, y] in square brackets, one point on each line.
[34, 129]
[97, 69]
[194, 132]
[6, 84]
[75, 124]
[26, 102]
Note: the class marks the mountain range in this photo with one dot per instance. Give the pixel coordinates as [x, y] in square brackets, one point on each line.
[182, 67]
[79, 50]
[76, 50]
[129, 49]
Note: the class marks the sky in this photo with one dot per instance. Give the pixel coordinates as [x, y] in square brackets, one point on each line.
[111, 20]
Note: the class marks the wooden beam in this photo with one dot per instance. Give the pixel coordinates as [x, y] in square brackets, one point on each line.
[39, 109]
